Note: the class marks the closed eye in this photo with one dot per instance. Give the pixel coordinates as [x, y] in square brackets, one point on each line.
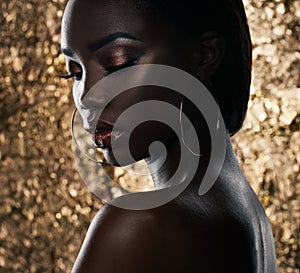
[115, 68]
[76, 76]
[75, 71]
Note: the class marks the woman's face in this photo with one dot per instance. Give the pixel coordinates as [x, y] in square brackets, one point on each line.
[100, 37]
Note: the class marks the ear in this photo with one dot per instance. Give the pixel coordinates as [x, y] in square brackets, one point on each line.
[209, 53]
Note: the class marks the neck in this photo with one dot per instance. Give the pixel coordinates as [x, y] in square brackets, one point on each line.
[162, 167]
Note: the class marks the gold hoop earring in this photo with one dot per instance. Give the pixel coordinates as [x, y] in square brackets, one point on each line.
[182, 131]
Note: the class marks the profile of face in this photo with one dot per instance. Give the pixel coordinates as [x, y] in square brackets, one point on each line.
[101, 37]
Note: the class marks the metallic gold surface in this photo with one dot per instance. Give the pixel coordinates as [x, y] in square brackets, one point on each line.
[45, 208]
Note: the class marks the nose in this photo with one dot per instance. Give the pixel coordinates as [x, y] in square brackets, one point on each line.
[91, 92]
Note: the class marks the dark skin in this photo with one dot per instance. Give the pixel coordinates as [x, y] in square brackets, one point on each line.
[217, 232]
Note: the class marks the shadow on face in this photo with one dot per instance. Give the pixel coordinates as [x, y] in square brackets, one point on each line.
[101, 37]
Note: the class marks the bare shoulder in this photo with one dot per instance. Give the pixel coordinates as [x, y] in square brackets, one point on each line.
[124, 241]
[164, 239]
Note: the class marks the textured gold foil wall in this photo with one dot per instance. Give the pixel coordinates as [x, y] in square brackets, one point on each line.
[45, 208]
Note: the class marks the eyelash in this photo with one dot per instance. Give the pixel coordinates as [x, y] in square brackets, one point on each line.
[112, 69]
[77, 76]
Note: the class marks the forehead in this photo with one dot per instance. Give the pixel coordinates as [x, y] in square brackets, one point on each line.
[85, 21]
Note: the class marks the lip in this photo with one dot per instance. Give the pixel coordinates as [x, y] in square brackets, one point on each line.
[103, 138]
[104, 134]
[101, 127]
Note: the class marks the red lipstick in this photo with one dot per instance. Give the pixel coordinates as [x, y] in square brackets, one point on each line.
[102, 138]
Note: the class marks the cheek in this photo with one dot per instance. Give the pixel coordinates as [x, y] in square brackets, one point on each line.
[179, 56]
[127, 109]
[145, 93]
[142, 124]
[140, 140]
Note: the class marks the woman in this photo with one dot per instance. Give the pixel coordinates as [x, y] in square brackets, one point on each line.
[225, 230]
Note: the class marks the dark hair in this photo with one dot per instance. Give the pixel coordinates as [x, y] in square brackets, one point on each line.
[231, 83]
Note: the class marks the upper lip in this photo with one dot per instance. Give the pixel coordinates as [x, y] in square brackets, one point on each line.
[103, 126]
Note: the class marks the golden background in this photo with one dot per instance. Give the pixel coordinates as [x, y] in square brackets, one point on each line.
[45, 208]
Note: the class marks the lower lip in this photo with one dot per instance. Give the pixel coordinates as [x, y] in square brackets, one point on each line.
[103, 139]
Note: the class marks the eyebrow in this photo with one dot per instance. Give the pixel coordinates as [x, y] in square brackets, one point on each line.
[110, 38]
[102, 42]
